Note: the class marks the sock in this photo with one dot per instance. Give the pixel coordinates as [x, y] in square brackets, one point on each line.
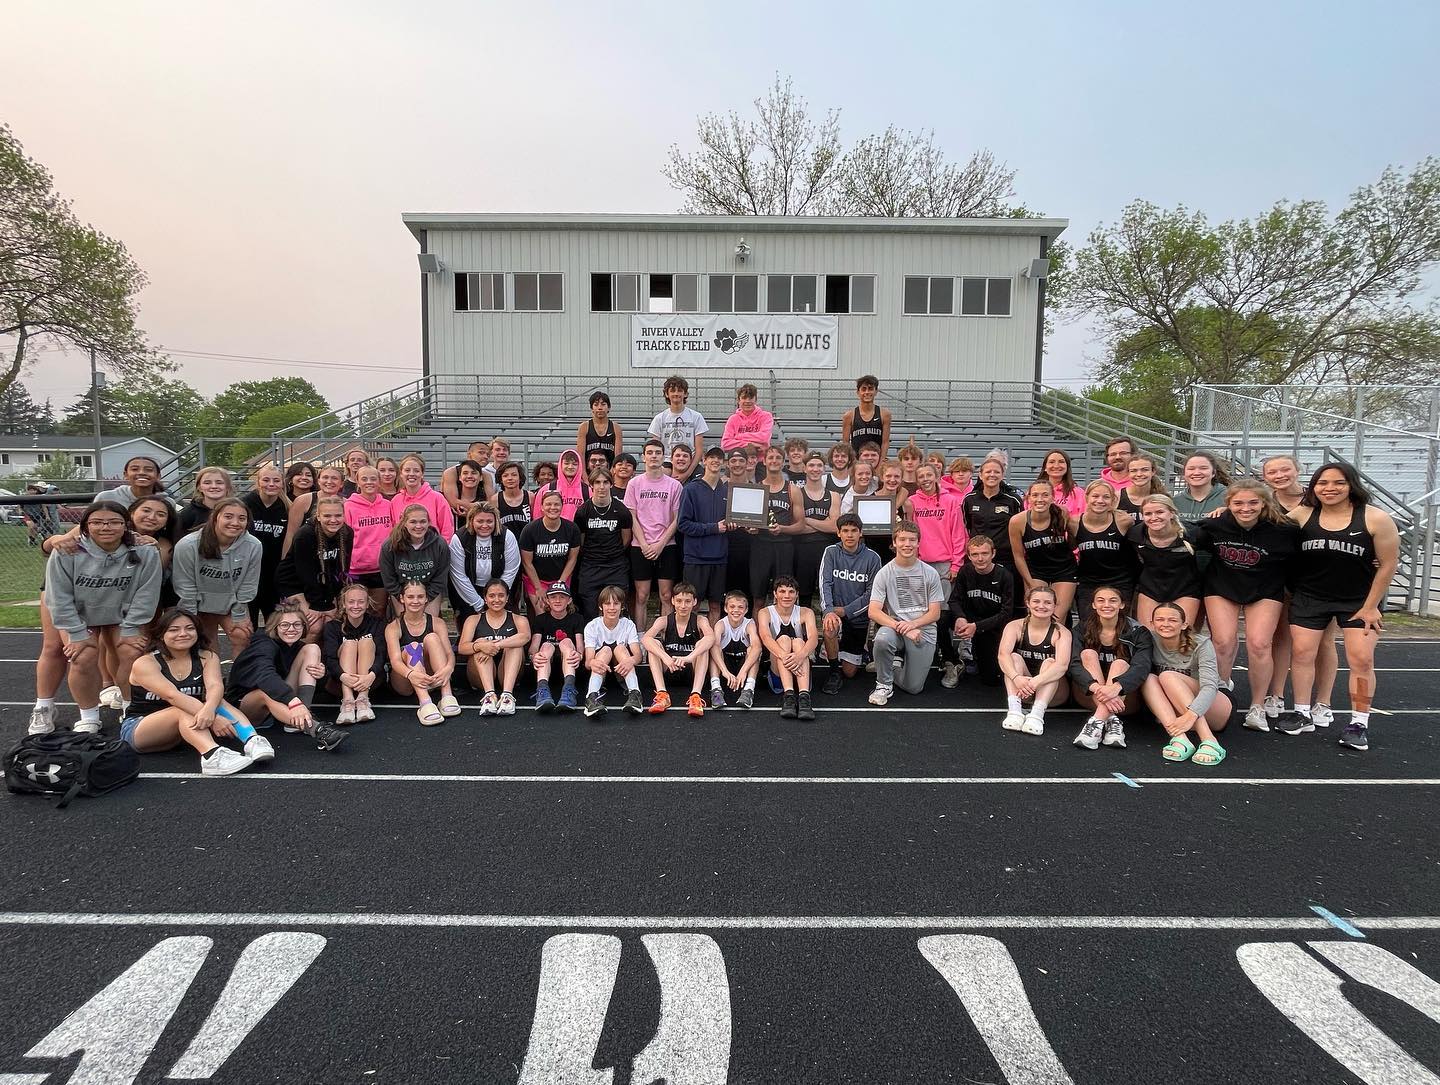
[1361, 719]
[210, 752]
[632, 682]
[306, 694]
[714, 682]
[750, 682]
[1038, 709]
[44, 702]
[90, 715]
[596, 681]
[1012, 702]
[569, 682]
[1302, 710]
[243, 731]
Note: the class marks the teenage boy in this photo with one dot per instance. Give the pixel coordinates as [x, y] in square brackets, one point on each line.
[905, 602]
[981, 602]
[735, 655]
[1119, 451]
[679, 642]
[847, 570]
[869, 452]
[679, 424]
[598, 433]
[703, 534]
[737, 539]
[622, 473]
[605, 529]
[866, 422]
[797, 451]
[787, 630]
[654, 500]
[682, 464]
[749, 425]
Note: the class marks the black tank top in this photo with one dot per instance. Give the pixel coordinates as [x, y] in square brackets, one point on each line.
[192, 685]
[513, 517]
[1338, 566]
[1124, 503]
[778, 503]
[599, 442]
[817, 508]
[1035, 655]
[831, 486]
[1104, 557]
[865, 429]
[412, 643]
[1048, 552]
[677, 643]
[485, 631]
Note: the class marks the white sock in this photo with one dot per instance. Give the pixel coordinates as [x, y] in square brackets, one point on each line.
[632, 681]
[44, 702]
[750, 682]
[1012, 702]
[596, 682]
[1362, 719]
[1038, 709]
[1302, 710]
[714, 682]
[90, 715]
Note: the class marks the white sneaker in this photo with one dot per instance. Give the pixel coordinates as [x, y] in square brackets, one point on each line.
[1274, 706]
[881, 695]
[506, 707]
[42, 721]
[110, 697]
[86, 727]
[1013, 721]
[1321, 715]
[224, 762]
[489, 705]
[1114, 732]
[1033, 725]
[1256, 718]
[259, 749]
[950, 677]
[1090, 732]
[1228, 685]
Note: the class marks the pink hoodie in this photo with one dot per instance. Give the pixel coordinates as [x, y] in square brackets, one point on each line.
[747, 429]
[573, 493]
[942, 527]
[371, 522]
[441, 518]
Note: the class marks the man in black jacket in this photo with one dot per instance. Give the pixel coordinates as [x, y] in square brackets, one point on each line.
[981, 603]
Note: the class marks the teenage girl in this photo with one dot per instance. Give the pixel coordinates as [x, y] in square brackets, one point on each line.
[512, 502]
[370, 517]
[1142, 484]
[1034, 660]
[413, 553]
[353, 650]
[735, 656]
[216, 573]
[329, 482]
[142, 479]
[269, 511]
[156, 523]
[1204, 491]
[990, 507]
[275, 678]
[318, 564]
[1349, 551]
[480, 552]
[414, 490]
[820, 508]
[1183, 689]
[1169, 572]
[421, 661]
[1041, 547]
[788, 632]
[1102, 555]
[1109, 669]
[1055, 469]
[495, 640]
[299, 480]
[180, 697]
[212, 485]
[599, 433]
[477, 453]
[940, 516]
[469, 488]
[389, 469]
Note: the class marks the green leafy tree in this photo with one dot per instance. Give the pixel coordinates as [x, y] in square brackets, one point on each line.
[62, 283]
[1293, 296]
[263, 425]
[239, 403]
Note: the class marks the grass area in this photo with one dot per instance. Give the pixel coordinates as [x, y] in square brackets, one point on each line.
[19, 617]
[1411, 625]
[22, 566]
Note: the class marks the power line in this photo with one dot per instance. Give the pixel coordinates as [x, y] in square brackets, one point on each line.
[311, 363]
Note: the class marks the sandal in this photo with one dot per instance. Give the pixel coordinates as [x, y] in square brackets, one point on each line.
[1209, 753]
[1178, 748]
[429, 715]
[449, 706]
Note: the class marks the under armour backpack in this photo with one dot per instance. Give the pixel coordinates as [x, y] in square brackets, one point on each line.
[70, 763]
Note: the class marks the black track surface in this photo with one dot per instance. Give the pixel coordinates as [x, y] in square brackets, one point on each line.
[455, 1004]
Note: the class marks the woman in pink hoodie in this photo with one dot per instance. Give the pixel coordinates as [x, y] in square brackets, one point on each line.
[369, 514]
[568, 484]
[941, 519]
[414, 490]
[749, 425]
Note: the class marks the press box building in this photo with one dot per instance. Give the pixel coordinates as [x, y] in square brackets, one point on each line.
[605, 295]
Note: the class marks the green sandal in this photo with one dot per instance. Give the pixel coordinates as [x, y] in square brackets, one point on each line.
[1209, 753]
[1178, 748]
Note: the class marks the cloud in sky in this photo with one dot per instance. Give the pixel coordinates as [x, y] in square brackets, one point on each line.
[256, 158]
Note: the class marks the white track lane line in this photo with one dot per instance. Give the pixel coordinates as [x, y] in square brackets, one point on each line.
[1169, 924]
[1144, 781]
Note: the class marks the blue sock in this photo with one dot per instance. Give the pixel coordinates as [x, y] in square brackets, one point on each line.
[243, 731]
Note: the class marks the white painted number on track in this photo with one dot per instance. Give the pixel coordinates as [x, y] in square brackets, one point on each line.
[1308, 993]
[691, 1045]
[984, 975]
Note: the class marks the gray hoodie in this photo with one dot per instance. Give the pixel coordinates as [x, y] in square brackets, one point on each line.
[1200, 665]
[845, 580]
[91, 588]
[220, 585]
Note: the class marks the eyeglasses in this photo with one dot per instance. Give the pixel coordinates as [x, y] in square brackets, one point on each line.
[106, 523]
[290, 625]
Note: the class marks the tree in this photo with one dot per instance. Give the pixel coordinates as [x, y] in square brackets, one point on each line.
[783, 162]
[1292, 296]
[62, 283]
[263, 425]
[240, 402]
[18, 412]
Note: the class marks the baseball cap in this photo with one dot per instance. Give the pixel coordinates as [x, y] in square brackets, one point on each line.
[737, 453]
[558, 588]
[714, 452]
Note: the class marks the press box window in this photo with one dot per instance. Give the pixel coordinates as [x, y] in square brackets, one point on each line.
[542, 292]
[674, 293]
[985, 297]
[615, 293]
[734, 293]
[849, 293]
[929, 295]
[478, 292]
[790, 293]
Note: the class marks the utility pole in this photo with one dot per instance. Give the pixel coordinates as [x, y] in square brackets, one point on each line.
[97, 382]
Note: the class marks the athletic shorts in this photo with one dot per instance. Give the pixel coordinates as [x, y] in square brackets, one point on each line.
[1312, 613]
[709, 582]
[372, 581]
[665, 567]
[852, 640]
[734, 657]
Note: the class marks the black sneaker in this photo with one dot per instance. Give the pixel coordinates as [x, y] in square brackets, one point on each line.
[788, 709]
[1356, 736]
[834, 684]
[1294, 723]
[633, 704]
[594, 706]
[804, 710]
[327, 736]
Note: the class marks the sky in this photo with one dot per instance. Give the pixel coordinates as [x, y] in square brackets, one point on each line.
[256, 158]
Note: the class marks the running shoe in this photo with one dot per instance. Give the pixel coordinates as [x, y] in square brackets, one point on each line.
[1294, 723]
[834, 683]
[950, 675]
[1321, 715]
[1033, 725]
[695, 705]
[346, 715]
[787, 705]
[544, 699]
[1256, 718]
[594, 706]
[258, 748]
[223, 761]
[747, 698]
[881, 695]
[1013, 721]
[42, 720]
[1274, 706]
[507, 704]
[633, 704]
[363, 712]
[110, 697]
[717, 697]
[804, 710]
[1356, 736]
[489, 704]
[1090, 732]
[1228, 685]
[567, 701]
[660, 703]
[326, 736]
[86, 727]
[1114, 733]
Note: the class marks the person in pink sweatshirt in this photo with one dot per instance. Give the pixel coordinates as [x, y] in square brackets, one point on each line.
[941, 519]
[369, 514]
[569, 484]
[414, 490]
[749, 425]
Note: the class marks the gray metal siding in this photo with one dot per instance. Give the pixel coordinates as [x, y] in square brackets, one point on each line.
[579, 341]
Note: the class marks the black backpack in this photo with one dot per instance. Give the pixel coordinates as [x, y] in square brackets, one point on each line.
[70, 763]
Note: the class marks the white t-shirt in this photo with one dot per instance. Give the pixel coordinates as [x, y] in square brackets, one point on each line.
[678, 429]
[598, 635]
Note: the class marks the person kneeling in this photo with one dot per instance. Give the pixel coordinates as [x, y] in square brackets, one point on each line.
[612, 646]
[495, 641]
[1034, 658]
[179, 697]
[679, 641]
[905, 601]
[847, 569]
[788, 633]
[275, 676]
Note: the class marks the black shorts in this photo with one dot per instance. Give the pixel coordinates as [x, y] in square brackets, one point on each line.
[708, 581]
[852, 639]
[372, 581]
[1312, 613]
[734, 656]
[665, 567]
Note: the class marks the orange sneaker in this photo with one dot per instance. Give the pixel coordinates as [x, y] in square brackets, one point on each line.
[695, 705]
[660, 703]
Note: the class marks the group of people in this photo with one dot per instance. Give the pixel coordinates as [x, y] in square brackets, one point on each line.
[1116, 594]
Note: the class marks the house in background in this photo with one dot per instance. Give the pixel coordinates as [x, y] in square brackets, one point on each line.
[21, 455]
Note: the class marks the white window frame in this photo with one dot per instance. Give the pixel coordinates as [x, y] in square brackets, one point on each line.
[987, 280]
[472, 290]
[514, 294]
[929, 286]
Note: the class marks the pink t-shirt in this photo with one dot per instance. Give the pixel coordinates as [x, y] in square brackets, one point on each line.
[655, 504]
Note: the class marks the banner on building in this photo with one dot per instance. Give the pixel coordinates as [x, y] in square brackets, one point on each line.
[733, 340]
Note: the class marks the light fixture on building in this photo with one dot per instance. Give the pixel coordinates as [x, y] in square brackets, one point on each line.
[430, 263]
[1039, 269]
[742, 251]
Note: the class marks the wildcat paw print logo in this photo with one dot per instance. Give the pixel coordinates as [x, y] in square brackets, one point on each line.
[729, 342]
